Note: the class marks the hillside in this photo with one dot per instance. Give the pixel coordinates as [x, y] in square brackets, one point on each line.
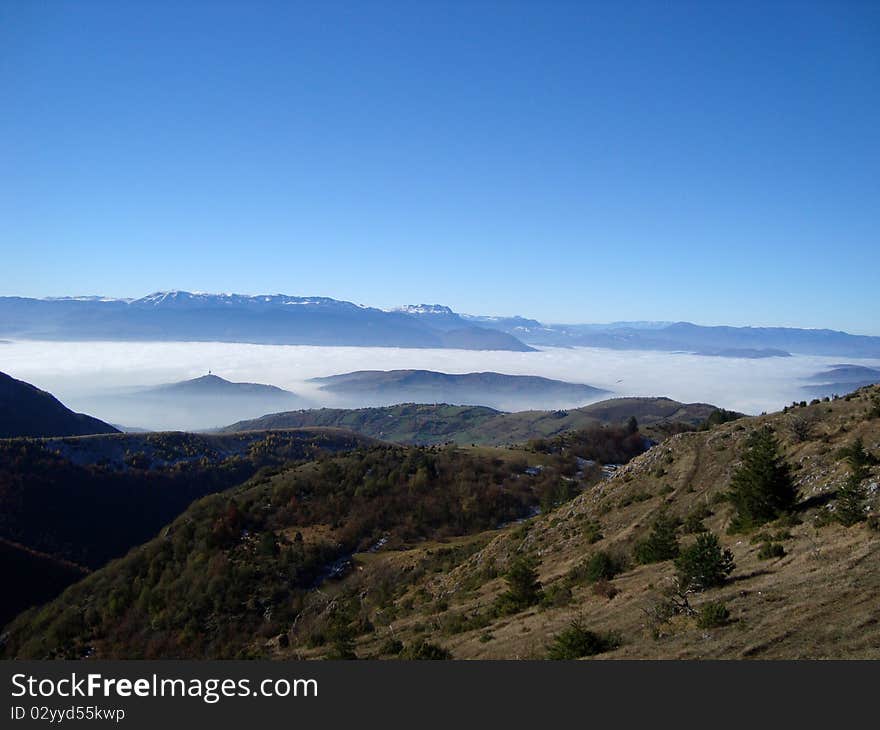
[232, 561]
[85, 500]
[817, 600]
[410, 423]
[411, 560]
[25, 410]
[495, 390]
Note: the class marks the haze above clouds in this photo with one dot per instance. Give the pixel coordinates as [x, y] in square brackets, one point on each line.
[98, 377]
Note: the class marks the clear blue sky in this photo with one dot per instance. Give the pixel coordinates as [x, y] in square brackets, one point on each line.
[715, 162]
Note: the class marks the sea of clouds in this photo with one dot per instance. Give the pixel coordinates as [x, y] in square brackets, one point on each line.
[86, 375]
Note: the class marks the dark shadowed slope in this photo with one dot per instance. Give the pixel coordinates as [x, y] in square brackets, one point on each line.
[35, 576]
[82, 500]
[25, 410]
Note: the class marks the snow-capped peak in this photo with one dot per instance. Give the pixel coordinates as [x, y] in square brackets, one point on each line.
[424, 309]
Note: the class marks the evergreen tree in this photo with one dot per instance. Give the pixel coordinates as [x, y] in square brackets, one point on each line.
[762, 487]
[661, 544]
[632, 425]
[858, 458]
[704, 564]
[850, 507]
[523, 587]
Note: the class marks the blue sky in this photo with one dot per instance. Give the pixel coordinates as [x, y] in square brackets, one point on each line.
[715, 162]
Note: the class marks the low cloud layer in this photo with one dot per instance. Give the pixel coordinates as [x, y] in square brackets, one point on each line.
[96, 377]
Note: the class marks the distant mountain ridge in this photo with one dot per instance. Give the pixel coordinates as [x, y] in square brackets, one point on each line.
[296, 320]
[720, 341]
[25, 410]
[260, 319]
[842, 378]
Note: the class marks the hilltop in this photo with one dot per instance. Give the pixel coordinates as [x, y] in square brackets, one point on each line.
[496, 390]
[841, 379]
[424, 424]
[213, 386]
[25, 410]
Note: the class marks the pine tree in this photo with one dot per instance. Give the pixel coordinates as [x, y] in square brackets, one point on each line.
[523, 587]
[661, 544]
[762, 487]
[632, 425]
[704, 564]
[850, 507]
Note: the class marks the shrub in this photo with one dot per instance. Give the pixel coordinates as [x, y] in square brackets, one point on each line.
[634, 498]
[425, 650]
[577, 641]
[557, 595]
[770, 551]
[601, 566]
[605, 588]
[712, 614]
[391, 646]
[704, 564]
[593, 531]
[661, 544]
[801, 427]
[762, 488]
[693, 524]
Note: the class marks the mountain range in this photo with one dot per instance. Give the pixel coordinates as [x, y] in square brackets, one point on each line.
[283, 319]
[265, 319]
[740, 342]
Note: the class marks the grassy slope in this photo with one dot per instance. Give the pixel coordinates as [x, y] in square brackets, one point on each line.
[818, 601]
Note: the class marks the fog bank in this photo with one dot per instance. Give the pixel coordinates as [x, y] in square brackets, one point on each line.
[97, 377]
